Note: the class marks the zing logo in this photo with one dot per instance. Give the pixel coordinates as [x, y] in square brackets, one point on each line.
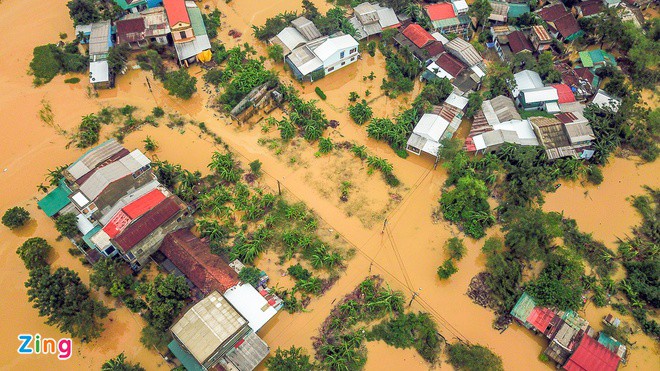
[34, 344]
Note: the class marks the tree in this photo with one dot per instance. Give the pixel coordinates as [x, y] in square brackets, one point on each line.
[34, 253]
[474, 104]
[65, 301]
[498, 79]
[67, 225]
[106, 273]
[250, 275]
[165, 297]
[473, 358]
[180, 84]
[292, 359]
[529, 232]
[150, 145]
[360, 112]
[83, 11]
[120, 363]
[117, 58]
[560, 282]
[480, 9]
[467, 205]
[15, 217]
[275, 53]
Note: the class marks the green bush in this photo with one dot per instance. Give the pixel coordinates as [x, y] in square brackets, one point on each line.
[594, 175]
[456, 248]
[45, 63]
[325, 145]
[34, 253]
[15, 217]
[214, 76]
[320, 93]
[72, 80]
[408, 331]
[158, 112]
[67, 225]
[360, 112]
[250, 275]
[473, 358]
[180, 84]
[447, 269]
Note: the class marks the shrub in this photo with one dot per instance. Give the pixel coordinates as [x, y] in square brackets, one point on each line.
[371, 48]
[158, 112]
[255, 167]
[360, 112]
[150, 145]
[67, 225]
[250, 275]
[447, 269]
[180, 84]
[214, 76]
[473, 358]
[88, 131]
[594, 175]
[45, 63]
[408, 331]
[455, 248]
[15, 217]
[320, 93]
[72, 80]
[325, 145]
[34, 253]
[275, 52]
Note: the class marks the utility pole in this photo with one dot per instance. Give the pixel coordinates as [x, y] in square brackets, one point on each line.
[148, 83]
[413, 296]
[279, 190]
[384, 225]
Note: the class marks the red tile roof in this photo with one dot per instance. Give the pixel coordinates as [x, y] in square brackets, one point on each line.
[145, 225]
[144, 204]
[450, 64]
[567, 25]
[130, 30]
[176, 11]
[434, 48]
[418, 35]
[519, 42]
[591, 355]
[118, 223]
[440, 11]
[553, 12]
[194, 259]
[540, 318]
[565, 93]
[590, 7]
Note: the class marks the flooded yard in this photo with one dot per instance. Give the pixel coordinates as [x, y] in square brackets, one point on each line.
[406, 253]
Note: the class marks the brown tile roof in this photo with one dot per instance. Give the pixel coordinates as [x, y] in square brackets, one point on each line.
[450, 64]
[434, 48]
[566, 117]
[585, 74]
[146, 224]
[519, 42]
[567, 25]
[130, 30]
[590, 7]
[194, 259]
[553, 12]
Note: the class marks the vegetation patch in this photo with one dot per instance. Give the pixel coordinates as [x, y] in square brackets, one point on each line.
[15, 217]
[410, 330]
[50, 60]
[473, 358]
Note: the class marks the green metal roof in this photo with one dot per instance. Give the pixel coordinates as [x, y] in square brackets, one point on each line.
[523, 307]
[516, 10]
[585, 57]
[446, 23]
[56, 200]
[609, 342]
[125, 5]
[575, 35]
[196, 21]
[187, 360]
[88, 237]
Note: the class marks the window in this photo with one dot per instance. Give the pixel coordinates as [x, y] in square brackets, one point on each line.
[182, 34]
[352, 59]
[331, 69]
[343, 63]
[353, 50]
[341, 55]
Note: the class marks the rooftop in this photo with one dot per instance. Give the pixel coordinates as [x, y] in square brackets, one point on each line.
[145, 225]
[251, 305]
[440, 11]
[130, 29]
[93, 157]
[418, 35]
[176, 12]
[306, 28]
[55, 200]
[591, 355]
[464, 50]
[518, 42]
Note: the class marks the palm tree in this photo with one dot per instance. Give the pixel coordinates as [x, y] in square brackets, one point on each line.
[42, 188]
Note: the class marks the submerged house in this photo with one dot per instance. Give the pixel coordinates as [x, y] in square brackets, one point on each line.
[423, 46]
[603, 100]
[187, 28]
[100, 42]
[440, 124]
[565, 135]
[465, 52]
[448, 19]
[532, 94]
[323, 56]
[371, 19]
[596, 58]
[512, 43]
[561, 22]
[131, 31]
[301, 31]
[212, 333]
[582, 81]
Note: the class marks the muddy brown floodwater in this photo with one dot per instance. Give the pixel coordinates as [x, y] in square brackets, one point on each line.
[407, 255]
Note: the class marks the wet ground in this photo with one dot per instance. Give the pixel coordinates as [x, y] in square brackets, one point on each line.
[407, 254]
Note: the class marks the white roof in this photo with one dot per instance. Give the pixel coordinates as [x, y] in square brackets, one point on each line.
[101, 239]
[192, 48]
[438, 71]
[460, 6]
[84, 28]
[387, 17]
[526, 80]
[332, 45]
[602, 100]
[431, 127]
[310, 66]
[478, 71]
[80, 199]
[552, 107]
[251, 305]
[572, 107]
[514, 131]
[101, 178]
[543, 94]
[457, 101]
[84, 225]
[522, 127]
[99, 72]
[291, 38]
[438, 36]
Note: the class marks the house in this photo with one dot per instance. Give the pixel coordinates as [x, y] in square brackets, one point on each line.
[561, 22]
[464, 51]
[588, 8]
[423, 46]
[563, 140]
[100, 42]
[513, 131]
[540, 38]
[301, 31]
[564, 93]
[55, 200]
[543, 98]
[516, 10]
[508, 45]
[156, 25]
[135, 6]
[613, 345]
[143, 236]
[576, 126]
[500, 12]
[446, 20]
[131, 31]
[581, 80]
[468, 81]
[179, 20]
[212, 333]
[445, 66]
[251, 304]
[591, 355]
[187, 28]
[440, 124]
[596, 58]
[322, 56]
[371, 19]
[603, 100]
[193, 258]
[526, 80]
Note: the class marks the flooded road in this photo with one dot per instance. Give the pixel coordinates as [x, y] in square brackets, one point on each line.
[406, 255]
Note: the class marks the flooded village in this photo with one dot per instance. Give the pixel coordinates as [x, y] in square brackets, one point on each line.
[294, 184]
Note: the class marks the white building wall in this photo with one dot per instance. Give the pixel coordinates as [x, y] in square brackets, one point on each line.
[335, 61]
